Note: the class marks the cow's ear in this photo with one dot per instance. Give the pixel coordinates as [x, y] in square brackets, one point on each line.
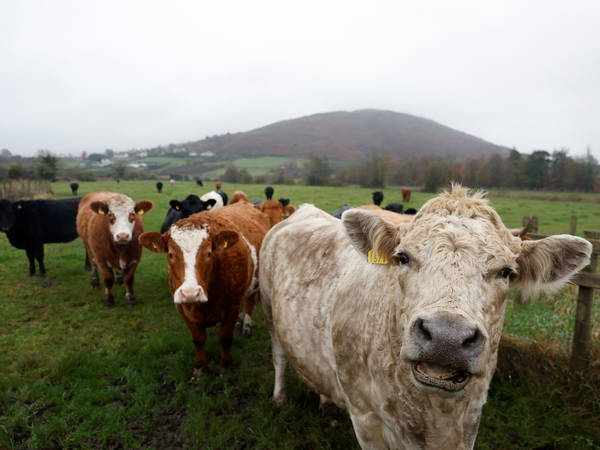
[143, 207]
[175, 204]
[367, 231]
[225, 240]
[547, 264]
[208, 204]
[153, 241]
[99, 207]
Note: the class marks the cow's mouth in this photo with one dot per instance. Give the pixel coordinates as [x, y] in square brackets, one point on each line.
[440, 377]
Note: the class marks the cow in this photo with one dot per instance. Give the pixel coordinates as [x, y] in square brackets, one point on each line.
[29, 224]
[388, 215]
[219, 197]
[159, 186]
[239, 196]
[269, 192]
[199, 182]
[172, 182]
[411, 211]
[341, 210]
[377, 197]
[74, 188]
[182, 209]
[288, 209]
[406, 195]
[212, 267]
[400, 325]
[395, 207]
[110, 224]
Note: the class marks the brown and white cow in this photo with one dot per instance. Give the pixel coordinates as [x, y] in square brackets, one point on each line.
[239, 196]
[110, 224]
[213, 266]
[406, 195]
[407, 342]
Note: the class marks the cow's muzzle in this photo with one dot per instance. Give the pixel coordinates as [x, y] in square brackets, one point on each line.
[445, 349]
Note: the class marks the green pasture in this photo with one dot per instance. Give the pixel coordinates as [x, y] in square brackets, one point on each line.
[259, 165]
[74, 374]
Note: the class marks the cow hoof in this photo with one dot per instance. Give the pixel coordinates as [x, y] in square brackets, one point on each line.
[131, 302]
[109, 301]
[197, 373]
[279, 400]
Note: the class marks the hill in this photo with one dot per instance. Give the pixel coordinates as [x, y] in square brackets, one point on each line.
[344, 135]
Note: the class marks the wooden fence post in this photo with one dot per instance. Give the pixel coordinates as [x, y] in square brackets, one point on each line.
[573, 226]
[582, 337]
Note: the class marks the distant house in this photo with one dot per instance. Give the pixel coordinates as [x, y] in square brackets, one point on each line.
[192, 154]
[120, 155]
[208, 154]
[142, 155]
[137, 165]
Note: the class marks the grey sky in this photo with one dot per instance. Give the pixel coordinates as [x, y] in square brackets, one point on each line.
[90, 75]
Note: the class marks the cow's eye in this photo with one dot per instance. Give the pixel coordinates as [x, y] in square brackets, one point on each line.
[505, 272]
[171, 255]
[209, 254]
[403, 258]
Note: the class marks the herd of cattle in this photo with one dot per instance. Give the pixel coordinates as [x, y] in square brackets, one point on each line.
[395, 317]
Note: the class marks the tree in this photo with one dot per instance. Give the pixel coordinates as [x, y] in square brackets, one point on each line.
[537, 169]
[47, 165]
[15, 171]
[232, 174]
[96, 157]
[109, 153]
[6, 153]
[435, 176]
[317, 172]
[119, 172]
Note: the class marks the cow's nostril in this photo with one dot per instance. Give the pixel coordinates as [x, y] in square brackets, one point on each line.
[422, 330]
[473, 340]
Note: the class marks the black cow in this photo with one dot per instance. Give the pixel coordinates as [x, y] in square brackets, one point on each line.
[269, 192]
[183, 209]
[338, 212]
[29, 224]
[395, 207]
[159, 187]
[377, 197]
[74, 188]
[199, 182]
[410, 211]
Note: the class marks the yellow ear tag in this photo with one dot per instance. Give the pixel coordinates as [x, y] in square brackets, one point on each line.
[154, 245]
[101, 212]
[225, 244]
[177, 208]
[375, 258]
[141, 212]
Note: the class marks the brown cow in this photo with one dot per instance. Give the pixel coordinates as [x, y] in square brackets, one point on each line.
[213, 266]
[239, 196]
[406, 195]
[109, 224]
[390, 216]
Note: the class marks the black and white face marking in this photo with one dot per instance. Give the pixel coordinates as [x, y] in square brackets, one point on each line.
[189, 241]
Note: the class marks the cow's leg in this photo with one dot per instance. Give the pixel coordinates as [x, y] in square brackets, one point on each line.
[109, 281]
[119, 277]
[247, 320]
[279, 363]
[39, 255]
[226, 339]
[86, 264]
[128, 277]
[369, 430]
[94, 278]
[31, 257]
[199, 339]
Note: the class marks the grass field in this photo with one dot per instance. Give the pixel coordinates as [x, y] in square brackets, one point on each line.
[74, 374]
[258, 166]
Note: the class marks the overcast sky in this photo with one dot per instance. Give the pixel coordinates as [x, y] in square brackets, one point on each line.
[90, 75]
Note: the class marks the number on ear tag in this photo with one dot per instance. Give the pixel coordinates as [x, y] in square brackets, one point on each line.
[375, 258]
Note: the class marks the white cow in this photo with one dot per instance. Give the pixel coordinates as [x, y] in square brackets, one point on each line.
[407, 342]
[213, 195]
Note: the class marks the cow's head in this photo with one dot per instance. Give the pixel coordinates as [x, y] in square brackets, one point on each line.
[192, 204]
[8, 215]
[453, 266]
[192, 252]
[121, 215]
